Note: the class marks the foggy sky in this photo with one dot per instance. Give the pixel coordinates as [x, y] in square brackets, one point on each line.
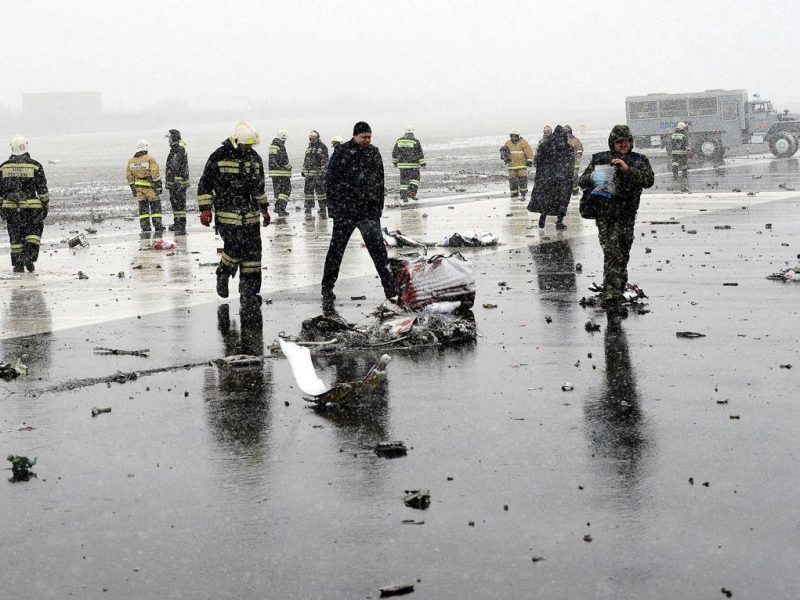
[470, 58]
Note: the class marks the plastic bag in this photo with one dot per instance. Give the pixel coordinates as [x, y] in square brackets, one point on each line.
[423, 281]
[603, 180]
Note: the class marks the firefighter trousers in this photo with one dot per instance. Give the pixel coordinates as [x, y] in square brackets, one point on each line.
[518, 182]
[616, 239]
[242, 252]
[680, 168]
[409, 184]
[177, 198]
[315, 185]
[373, 239]
[25, 227]
[282, 189]
[149, 209]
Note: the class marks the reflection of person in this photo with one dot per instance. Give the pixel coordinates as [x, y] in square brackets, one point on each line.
[555, 266]
[552, 184]
[616, 425]
[27, 330]
[24, 202]
[617, 215]
[355, 191]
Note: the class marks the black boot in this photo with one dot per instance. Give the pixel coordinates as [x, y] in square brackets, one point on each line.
[542, 219]
[222, 284]
[560, 223]
[29, 266]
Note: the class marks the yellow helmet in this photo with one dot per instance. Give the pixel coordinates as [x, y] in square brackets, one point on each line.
[514, 132]
[244, 133]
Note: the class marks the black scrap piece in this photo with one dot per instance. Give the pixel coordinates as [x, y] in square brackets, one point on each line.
[391, 449]
[689, 334]
[419, 499]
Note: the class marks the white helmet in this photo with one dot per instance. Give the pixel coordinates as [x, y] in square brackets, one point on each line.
[409, 129]
[283, 134]
[244, 133]
[514, 132]
[337, 138]
[142, 145]
[681, 125]
[19, 144]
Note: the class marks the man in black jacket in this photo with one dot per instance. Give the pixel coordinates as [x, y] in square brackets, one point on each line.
[355, 192]
[177, 177]
[617, 214]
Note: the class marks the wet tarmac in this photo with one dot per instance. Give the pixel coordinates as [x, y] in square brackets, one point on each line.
[675, 457]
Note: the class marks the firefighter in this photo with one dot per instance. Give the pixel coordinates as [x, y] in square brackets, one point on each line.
[518, 156]
[145, 181]
[232, 185]
[336, 142]
[408, 157]
[679, 151]
[314, 166]
[280, 171]
[24, 201]
[578, 147]
[177, 176]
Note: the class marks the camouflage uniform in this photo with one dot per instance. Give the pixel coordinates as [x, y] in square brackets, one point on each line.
[679, 152]
[617, 215]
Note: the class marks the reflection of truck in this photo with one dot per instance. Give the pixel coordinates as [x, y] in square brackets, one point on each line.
[717, 119]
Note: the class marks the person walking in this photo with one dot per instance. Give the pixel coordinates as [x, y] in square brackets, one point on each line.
[335, 142]
[407, 156]
[518, 156]
[679, 151]
[177, 180]
[355, 189]
[24, 202]
[314, 164]
[552, 184]
[577, 145]
[280, 171]
[232, 185]
[617, 213]
[144, 178]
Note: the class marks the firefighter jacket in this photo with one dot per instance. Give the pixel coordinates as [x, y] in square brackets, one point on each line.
[316, 159]
[142, 172]
[407, 153]
[520, 155]
[354, 184]
[177, 169]
[233, 185]
[23, 184]
[279, 159]
[679, 144]
[577, 146]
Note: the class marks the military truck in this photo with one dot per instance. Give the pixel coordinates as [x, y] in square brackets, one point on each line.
[717, 120]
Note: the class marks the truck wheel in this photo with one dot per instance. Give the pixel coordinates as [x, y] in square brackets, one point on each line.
[710, 149]
[783, 145]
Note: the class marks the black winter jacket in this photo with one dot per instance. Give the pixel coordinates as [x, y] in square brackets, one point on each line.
[354, 182]
[625, 201]
[177, 171]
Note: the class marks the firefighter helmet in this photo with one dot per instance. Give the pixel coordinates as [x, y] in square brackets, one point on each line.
[681, 125]
[142, 146]
[337, 139]
[244, 133]
[283, 134]
[313, 134]
[19, 144]
[514, 131]
[409, 129]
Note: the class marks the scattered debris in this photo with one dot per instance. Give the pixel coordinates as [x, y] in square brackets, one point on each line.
[82, 275]
[689, 334]
[567, 387]
[587, 537]
[397, 239]
[722, 227]
[358, 297]
[734, 417]
[101, 350]
[239, 362]
[633, 295]
[163, 245]
[786, 366]
[90, 230]
[99, 411]
[548, 319]
[9, 371]
[537, 558]
[768, 226]
[727, 593]
[439, 278]
[578, 268]
[730, 283]
[412, 522]
[488, 305]
[787, 275]
[21, 467]
[469, 239]
[420, 499]
[396, 590]
[78, 240]
[591, 326]
[391, 449]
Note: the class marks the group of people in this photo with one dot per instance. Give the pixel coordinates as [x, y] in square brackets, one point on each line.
[348, 186]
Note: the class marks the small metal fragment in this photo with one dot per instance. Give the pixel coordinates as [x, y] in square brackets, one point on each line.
[99, 411]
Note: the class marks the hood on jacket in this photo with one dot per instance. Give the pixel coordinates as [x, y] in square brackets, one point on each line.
[619, 133]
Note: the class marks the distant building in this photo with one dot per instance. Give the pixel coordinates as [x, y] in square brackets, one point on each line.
[62, 111]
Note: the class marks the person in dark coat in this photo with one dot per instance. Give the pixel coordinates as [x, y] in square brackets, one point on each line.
[354, 187]
[552, 184]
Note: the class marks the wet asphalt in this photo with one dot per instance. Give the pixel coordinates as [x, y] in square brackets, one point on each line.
[675, 457]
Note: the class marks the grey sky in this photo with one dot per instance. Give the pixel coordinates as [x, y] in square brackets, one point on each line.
[449, 57]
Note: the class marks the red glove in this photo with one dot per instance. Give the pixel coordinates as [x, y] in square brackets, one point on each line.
[205, 217]
[267, 218]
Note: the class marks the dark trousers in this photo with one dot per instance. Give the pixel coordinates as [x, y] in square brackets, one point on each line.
[282, 189]
[315, 184]
[373, 238]
[242, 252]
[518, 182]
[177, 198]
[616, 239]
[409, 183]
[680, 168]
[25, 227]
[149, 209]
